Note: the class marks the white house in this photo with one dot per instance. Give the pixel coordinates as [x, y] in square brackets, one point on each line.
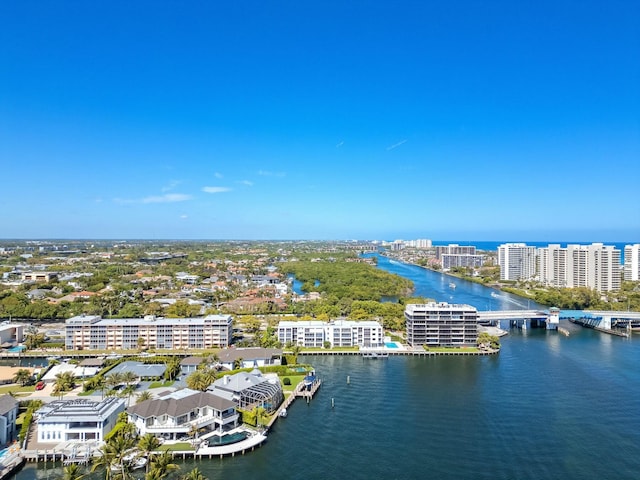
[175, 415]
[79, 420]
[8, 416]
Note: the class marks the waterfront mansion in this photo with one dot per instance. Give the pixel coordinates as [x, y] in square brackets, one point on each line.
[175, 415]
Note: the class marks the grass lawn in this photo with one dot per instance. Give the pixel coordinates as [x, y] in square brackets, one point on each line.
[17, 389]
[295, 380]
[177, 447]
[161, 383]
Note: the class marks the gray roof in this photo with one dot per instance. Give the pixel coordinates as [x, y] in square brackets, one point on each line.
[177, 405]
[238, 382]
[229, 355]
[92, 362]
[7, 403]
[140, 369]
[192, 361]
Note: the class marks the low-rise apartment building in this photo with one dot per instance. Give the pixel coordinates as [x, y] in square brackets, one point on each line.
[441, 325]
[92, 332]
[339, 333]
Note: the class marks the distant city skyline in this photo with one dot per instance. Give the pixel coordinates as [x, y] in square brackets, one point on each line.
[464, 121]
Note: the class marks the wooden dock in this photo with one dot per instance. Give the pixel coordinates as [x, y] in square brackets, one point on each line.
[301, 391]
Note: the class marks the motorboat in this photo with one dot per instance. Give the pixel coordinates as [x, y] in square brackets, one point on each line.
[131, 461]
[283, 413]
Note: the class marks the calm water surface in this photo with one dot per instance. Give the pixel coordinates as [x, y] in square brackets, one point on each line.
[546, 407]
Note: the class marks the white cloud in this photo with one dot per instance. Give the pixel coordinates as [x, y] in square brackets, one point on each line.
[339, 144]
[218, 175]
[216, 189]
[396, 145]
[167, 198]
[184, 216]
[248, 183]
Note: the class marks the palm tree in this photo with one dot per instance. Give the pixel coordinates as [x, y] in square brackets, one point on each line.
[162, 464]
[73, 472]
[146, 395]
[147, 445]
[128, 377]
[65, 382]
[173, 368]
[22, 376]
[106, 458]
[200, 380]
[194, 474]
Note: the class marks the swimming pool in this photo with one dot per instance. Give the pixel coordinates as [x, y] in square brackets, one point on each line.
[391, 345]
[217, 440]
[17, 349]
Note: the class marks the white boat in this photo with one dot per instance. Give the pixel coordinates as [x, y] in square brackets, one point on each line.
[494, 295]
[131, 463]
[452, 285]
[283, 413]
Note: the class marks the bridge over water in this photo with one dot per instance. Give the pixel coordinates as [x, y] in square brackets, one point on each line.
[520, 318]
[600, 319]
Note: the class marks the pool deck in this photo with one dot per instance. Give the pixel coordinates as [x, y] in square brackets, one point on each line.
[256, 439]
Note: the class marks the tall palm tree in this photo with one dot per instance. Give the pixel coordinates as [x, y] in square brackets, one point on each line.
[104, 460]
[162, 464]
[73, 471]
[147, 445]
[194, 474]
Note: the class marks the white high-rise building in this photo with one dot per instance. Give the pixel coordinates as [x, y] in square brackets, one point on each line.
[517, 261]
[595, 266]
[632, 262]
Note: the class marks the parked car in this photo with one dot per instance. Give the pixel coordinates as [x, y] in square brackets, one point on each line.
[40, 385]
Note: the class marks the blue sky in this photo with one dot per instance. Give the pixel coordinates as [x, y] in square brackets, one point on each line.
[464, 120]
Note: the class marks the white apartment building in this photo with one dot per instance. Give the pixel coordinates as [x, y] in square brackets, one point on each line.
[517, 261]
[81, 420]
[441, 324]
[450, 260]
[632, 262]
[454, 249]
[594, 266]
[340, 333]
[92, 332]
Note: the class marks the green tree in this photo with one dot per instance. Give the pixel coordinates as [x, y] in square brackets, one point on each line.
[162, 464]
[200, 380]
[22, 376]
[65, 382]
[194, 474]
[144, 396]
[173, 368]
[148, 444]
[73, 471]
